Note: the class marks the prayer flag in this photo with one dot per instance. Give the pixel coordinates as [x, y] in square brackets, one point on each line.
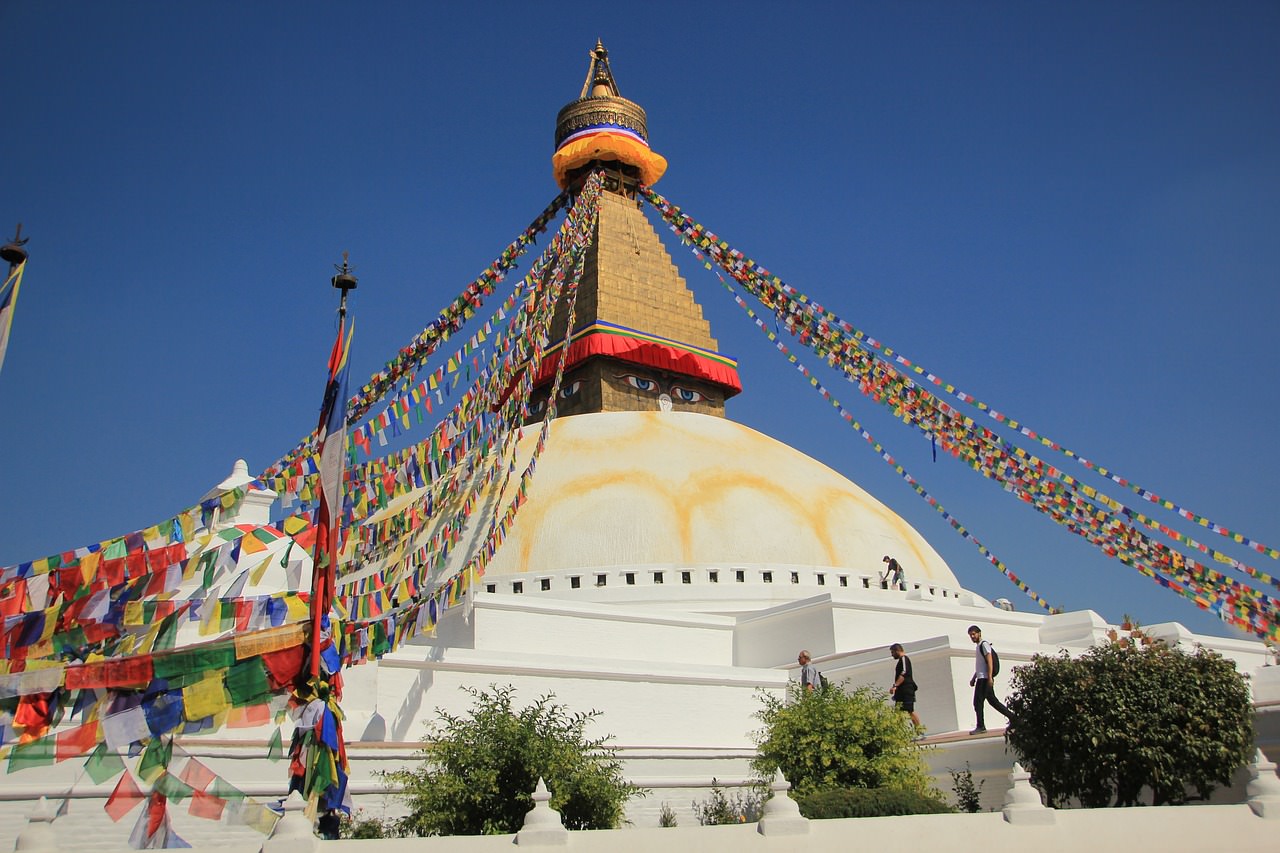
[77, 741]
[206, 806]
[275, 748]
[123, 798]
[103, 764]
[331, 440]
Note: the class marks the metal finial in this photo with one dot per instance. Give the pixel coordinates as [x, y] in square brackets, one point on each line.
[599, 82]
[12, 252]
[344, 280]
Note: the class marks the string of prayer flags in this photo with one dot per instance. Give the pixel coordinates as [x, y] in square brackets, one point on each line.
[1106, 523]
[450, 320]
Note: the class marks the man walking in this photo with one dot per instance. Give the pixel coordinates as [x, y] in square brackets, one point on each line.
[808, 672]
[983, 676]
[903, 689]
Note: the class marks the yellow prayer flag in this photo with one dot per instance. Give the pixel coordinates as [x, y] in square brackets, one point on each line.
[188, 523]
[272, 640]
[296, 608]
[89, 565]
[205, 697]
[256, 573]
[295, 524]
[133, 614]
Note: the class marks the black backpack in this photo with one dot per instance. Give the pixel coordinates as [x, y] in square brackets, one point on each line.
[822, 681]
[995, 661]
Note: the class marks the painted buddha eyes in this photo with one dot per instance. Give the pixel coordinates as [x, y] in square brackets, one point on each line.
[685, 395]
[641, 384]
[569, 390]
[679, 393]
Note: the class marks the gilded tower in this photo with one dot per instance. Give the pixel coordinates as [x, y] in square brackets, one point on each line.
[640, 342]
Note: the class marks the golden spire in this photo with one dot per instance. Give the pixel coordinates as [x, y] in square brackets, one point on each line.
[599, 82]
[602, 127]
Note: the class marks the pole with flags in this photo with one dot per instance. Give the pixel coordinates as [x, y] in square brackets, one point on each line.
[318, 756]
[332, 436]
[16, 256]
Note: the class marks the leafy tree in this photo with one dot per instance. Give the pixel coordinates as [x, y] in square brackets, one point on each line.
[831, 738]
[478, 771]
[1121, 716]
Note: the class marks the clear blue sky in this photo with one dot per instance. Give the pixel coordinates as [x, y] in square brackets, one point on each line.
[1069, 210]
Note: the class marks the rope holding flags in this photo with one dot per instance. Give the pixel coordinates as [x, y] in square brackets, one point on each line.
[1103, 521]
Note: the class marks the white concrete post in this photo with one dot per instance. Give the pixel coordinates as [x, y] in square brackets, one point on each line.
[293, 833]
[781, 814]
[1263, 788]
[38, 836]
[1022, 801]
[542, 825]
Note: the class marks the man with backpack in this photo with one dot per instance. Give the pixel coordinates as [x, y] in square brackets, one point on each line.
[985, 671]
[809, 677]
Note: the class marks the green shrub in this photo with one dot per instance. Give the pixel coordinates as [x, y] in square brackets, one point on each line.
[968, 795]
[870, 802]
[833, 738]
[362, 827]
[1101, 727]
[478, 772]
[720, 808]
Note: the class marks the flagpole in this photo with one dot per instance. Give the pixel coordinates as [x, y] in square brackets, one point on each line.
[16, 256]
[324, 560]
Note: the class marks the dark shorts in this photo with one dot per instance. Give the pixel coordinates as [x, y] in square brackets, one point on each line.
[907, 705]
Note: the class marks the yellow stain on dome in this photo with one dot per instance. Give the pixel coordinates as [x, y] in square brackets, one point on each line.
[634, 488]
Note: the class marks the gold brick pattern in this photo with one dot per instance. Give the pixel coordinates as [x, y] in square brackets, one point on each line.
[628, 279]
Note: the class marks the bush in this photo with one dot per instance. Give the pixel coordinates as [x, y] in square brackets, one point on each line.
[831, 738]
[1100, 727]
[968, 795]
[870, 802]
[362, 827]
[667, 816]
[478, 771]
[719, 809]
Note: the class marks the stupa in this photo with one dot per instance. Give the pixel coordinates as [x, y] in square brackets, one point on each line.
[666, 565]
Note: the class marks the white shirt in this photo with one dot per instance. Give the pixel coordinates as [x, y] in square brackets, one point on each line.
[981, 652]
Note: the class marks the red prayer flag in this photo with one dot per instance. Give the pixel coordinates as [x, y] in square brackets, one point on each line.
[125, 796]
[137, 563]
[196, 775]
[284, 666]
[32, 715]
[112, 571]
[249, 716]
[206, 806]
[77, 741]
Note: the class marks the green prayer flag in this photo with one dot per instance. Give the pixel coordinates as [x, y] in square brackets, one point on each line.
[194, 661]
[155, 758]
[166, 634]
[275, 749]
[224, 790]
[34, 754]
[321, 775]
[172, 787]
[103, 764]
[247, 682]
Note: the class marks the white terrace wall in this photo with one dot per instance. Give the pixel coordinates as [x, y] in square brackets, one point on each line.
[1180, 829]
